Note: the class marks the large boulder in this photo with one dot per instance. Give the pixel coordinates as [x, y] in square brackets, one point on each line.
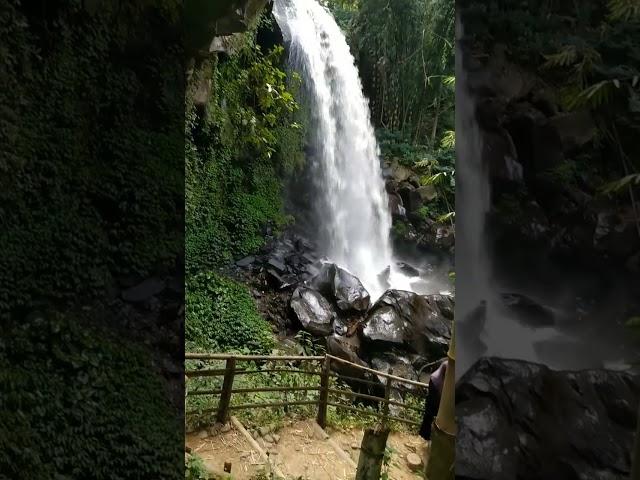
[527, 311]
[409, 322]
[411, 198]
[523, 421]
[348, 348]
[313, 311]
[395, 205]
[574, 128]
[342, 287]
[399, 173]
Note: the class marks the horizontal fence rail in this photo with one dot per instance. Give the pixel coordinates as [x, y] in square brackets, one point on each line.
[327, 396]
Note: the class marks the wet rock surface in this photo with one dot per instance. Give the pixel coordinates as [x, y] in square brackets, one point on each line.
[313, 311]
[294, 288]
[342, 287]
[523, 421]
[409, 321]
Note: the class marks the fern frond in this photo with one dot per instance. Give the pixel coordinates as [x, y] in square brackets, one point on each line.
[449, 139]
[437, 179]
[624, 10]
[445, 217]
[618, 185]
[567, 56]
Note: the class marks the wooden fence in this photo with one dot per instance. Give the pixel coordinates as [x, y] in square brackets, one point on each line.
[327, 396]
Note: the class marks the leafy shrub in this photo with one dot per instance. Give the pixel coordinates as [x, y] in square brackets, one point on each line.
[114, 422]
[93, 142]
[237, 152]
[195, 469]
[222, 316]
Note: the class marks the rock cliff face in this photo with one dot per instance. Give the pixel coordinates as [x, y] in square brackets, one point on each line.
[210, 24]
[214, 28]
[544, 164]
[522, 421]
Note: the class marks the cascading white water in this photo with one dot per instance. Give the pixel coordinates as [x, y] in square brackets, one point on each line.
[353, 204]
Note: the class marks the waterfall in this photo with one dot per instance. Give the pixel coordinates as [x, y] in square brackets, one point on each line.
[352, 204]
[485, 327]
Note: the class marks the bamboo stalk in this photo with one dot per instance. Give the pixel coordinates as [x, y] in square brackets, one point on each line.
[275, 470]
[440, 465]
[336, 448]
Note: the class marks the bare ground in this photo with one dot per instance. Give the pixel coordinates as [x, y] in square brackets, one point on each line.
[301, 454]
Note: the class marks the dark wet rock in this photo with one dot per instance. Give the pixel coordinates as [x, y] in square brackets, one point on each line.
[277, 264]
[313, 311]
[246, 261]
[349, 348]
[411, 198]
[383, 277]
[575, 129]
[399, 173]
[503, 158]
[342, 287]
[143, 291]
[302, 244]
[522, 421]
[408, 269]
[407, 321]
[401, 366]
[445, 237]
[528, 311]
[444, 303]
[395, 205]
[391, 186]
[278, 281]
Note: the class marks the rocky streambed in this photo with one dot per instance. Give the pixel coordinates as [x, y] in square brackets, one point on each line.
[296, 289]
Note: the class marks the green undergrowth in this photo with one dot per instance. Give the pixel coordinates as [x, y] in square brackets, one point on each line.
[239, 148]
[201, 409]
[222, 316]
[114, 421]
[92, 183]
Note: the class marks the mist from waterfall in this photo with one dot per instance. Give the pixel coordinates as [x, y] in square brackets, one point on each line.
[485, 326]
[352, 204]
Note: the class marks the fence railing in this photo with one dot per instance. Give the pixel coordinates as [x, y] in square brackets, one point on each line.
[327, 396]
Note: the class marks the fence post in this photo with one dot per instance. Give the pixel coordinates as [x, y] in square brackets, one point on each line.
[387, 397]
[324, 393]
[227, 386]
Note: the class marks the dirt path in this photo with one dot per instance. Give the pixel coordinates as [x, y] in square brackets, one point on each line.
[400, 444]
[300, 453]
[230, 446]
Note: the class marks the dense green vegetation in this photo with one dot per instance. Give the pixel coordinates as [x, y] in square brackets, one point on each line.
[587, 54]
[91, 154]
[115, 422]
[240, 147]
[103, 155]
[405, 56]
[222, 315]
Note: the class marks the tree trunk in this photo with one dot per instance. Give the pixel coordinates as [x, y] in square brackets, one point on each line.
[440, 464]
[371, 456]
